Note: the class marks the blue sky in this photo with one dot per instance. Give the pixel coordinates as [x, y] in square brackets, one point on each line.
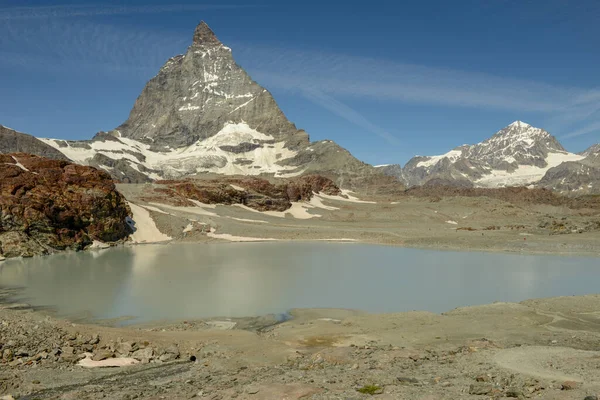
[387, 80]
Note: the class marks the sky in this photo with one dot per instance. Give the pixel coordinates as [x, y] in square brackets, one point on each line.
[385, 79]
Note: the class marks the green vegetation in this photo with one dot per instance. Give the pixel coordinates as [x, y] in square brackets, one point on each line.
[370, 389]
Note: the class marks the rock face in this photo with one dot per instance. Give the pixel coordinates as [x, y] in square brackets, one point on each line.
[203, 113]
[518, 155]
[12, 141]
[252, 192]
[48, 205]
[580, 177]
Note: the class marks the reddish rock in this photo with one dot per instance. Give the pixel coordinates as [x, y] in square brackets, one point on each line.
[257, 193]
[48, 205]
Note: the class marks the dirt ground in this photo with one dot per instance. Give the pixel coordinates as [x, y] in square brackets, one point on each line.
[453, 223]
[545, 348]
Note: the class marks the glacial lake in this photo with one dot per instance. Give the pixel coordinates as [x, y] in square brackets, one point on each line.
[187, 281]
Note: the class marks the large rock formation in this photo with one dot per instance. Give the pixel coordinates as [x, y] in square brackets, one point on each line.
[203, 113]
[48, 205]
[518, 155]
[253, 192]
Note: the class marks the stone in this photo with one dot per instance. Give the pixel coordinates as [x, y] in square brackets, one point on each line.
[124, 348]
[252, 390]
[483, 378]
[514, 393]
[405, 380]
[173, 350]
[569, 385]
[481, 388]
[7, 354]
[68, 350]
[102, 355]
[143, 355]
[95, 339]
[591, 398]
[22, 352]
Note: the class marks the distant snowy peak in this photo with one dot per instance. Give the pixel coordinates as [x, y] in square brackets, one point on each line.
[517, 155]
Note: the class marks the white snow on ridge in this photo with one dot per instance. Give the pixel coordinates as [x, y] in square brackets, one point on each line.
[452, 155]
[525, 174]
[204, 155]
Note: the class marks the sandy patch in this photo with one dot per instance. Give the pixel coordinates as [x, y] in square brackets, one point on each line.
[232, 238]
[188, 228]
[249, 220]
[337, 240]
[297, 210]
[317, 201]
[145, 228]
[203, 205]
[156, 209]
[192, 210]
[350, 199]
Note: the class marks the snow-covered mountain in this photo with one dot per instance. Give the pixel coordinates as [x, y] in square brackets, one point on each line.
[203, 113]
[581, 177]
[518, 155]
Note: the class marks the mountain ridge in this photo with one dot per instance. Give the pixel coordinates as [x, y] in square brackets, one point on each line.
[517, 155]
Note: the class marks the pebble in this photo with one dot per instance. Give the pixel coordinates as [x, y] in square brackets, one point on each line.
[480, 389]
[252, 390]
[569, 385]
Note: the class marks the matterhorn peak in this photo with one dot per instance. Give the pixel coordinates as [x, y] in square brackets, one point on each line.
[204, 36]
[519, 124]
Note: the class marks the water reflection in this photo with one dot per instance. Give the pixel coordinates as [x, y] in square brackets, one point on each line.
[201, 280]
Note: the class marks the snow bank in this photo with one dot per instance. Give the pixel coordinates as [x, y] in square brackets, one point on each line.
[145, 227]
[87, 362]
[232, 238]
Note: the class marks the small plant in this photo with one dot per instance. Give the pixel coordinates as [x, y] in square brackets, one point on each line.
[370, 390]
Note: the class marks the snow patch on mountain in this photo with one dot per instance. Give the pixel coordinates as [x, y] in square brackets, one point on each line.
[525, 174]
[213, 154]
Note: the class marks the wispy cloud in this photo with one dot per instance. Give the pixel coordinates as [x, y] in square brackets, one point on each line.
[329, 80]
[591, 128]
[70, 11]
[347, 113]
[342, 76]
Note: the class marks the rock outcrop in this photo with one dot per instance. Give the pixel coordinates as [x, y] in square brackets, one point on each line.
[256, 193]
[48, 205]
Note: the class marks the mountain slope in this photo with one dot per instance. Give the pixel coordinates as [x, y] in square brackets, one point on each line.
[12, 141]
[581, 177]
[518, 155]
[203, 113]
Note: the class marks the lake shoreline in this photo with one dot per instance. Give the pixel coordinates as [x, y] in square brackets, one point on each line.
[494, 349]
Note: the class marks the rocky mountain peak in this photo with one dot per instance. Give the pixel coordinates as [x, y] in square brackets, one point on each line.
[519, 138]
[519, 124]
[204, 36]
[593, 150]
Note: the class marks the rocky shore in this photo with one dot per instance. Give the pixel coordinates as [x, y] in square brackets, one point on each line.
[545, 349]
